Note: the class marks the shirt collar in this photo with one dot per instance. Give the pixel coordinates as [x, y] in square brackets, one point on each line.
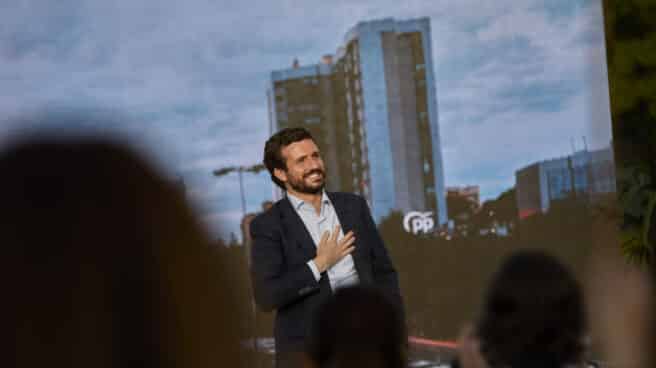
[298, 203]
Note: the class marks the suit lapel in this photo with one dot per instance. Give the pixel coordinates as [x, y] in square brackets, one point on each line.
[347, 218]
[343, 211]
[296, 229]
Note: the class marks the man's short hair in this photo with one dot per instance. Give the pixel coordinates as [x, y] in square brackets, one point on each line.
[273, 150]
[533, 311]
[358, 327]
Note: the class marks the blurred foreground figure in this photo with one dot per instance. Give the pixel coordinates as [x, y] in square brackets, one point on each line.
[104, 264]
[533, 315]
[622, 296]
[357, 327]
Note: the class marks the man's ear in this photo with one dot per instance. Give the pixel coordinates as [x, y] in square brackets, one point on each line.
[280, 174]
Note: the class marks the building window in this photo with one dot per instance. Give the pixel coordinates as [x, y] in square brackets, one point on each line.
[305, 108]
[420, 67]
[312, 120]
[308, 107]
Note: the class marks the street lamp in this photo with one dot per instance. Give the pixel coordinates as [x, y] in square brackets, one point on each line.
[240, 170]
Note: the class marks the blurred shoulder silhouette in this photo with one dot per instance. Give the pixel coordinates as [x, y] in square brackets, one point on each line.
[104, 263]
[622, 298]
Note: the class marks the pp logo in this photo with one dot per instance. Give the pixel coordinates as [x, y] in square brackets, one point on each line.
[418, 222]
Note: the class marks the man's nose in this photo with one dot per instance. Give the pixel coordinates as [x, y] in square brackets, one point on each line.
[314, 163]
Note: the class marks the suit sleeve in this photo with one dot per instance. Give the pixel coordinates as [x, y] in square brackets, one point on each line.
[384, 274]
[274, 284]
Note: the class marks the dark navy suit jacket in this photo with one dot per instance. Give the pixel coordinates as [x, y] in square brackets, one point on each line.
[282, 280]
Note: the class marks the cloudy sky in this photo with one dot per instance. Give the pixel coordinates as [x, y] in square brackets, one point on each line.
[516, 79]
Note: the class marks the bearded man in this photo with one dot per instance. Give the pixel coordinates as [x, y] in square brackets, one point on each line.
[310, 243]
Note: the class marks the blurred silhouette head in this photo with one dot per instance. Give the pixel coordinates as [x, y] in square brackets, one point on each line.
[358, 327]
[104, 263]
[533, 314]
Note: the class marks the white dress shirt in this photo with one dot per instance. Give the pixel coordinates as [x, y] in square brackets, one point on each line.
[342, 273]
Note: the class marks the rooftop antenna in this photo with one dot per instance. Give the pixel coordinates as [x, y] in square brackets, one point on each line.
[570, 168]
[585, 144]
[571, 141]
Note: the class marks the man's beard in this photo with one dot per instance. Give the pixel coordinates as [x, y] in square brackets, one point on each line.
[300, 186]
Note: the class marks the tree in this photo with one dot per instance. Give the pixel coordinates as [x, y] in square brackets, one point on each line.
[631, 53]
[500, 211]
[460, 207]
[461, 210]
[505, 207]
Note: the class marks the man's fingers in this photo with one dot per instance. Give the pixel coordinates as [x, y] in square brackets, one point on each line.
[324, 238]
[335, 234]
[348, 235]
[346, 251]
[346, 241]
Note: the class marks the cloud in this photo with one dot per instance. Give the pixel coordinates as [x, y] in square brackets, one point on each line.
[190, 78]
[494, 152]
[528, 83]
